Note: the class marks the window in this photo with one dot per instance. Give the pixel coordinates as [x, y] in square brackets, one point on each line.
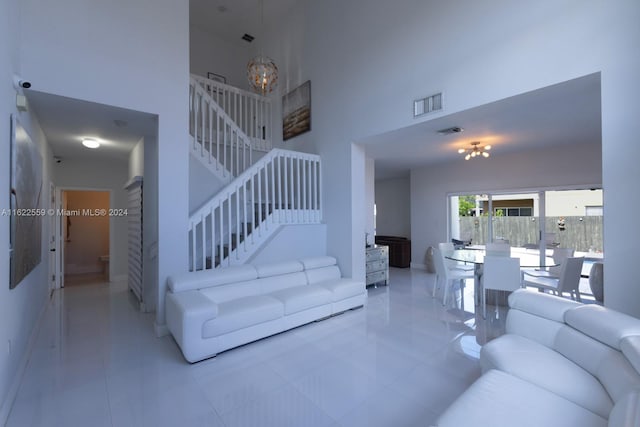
[525, 211]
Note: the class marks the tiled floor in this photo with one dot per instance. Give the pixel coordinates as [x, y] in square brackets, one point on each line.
[400, 361]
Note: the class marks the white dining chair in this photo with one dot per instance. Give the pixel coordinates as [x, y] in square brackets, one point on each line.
[568, 280]
[448, 275]
[447, 247]
[559, 255]
[498, 249]
[500, 273]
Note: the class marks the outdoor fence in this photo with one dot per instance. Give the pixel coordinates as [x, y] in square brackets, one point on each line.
[583, 234]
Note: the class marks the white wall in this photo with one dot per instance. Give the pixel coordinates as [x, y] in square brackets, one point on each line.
[563, 166]
[134, 55]
[366, 70]
[203, 185]
[105, 174]
[393, 203]
[293, 242]
[136, 160]
[19, 307]
[209, 53]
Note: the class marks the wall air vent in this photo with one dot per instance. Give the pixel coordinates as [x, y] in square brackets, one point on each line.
[248, 37]
[449, 131]
[427, 105]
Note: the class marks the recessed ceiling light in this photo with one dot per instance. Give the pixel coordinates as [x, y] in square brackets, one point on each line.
[90, 143]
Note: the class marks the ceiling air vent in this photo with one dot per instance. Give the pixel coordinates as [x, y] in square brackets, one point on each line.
[427, 105]
[248, 37]
[449, 131]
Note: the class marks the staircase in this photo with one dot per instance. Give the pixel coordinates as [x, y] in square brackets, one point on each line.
[227, 126]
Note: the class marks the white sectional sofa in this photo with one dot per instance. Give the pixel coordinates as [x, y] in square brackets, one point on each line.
[214, 310]
[560, 363]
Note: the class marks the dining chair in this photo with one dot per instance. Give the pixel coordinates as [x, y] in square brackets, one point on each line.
[559, 255]
[449, 247]
[498, 249]
[448, 275]
[500, 273]
[567, 281]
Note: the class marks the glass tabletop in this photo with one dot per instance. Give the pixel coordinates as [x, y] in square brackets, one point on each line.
[476, 256]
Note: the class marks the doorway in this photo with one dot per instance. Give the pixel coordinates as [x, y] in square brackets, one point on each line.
[85, 236]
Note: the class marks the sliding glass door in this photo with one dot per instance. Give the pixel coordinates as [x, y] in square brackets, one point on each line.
[533, 221]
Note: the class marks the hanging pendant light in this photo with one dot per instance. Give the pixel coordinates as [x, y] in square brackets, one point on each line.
[262, 72]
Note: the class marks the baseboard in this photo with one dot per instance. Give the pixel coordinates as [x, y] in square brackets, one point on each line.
[418, 266]
[12, 393]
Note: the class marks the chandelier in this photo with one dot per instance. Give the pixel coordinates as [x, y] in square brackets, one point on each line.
[262, 72]
[476, 150]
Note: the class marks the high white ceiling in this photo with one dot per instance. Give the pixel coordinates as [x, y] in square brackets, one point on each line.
[231, 19]
[65, 121]
[566, 113]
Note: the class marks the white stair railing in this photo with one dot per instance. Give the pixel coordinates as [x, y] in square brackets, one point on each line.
[215, 138]
[251, 112]
[283, 187]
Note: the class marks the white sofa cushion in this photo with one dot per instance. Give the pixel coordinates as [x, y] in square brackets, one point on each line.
[323, 274]
[242, 313]
[224, 293]
[268, 270]
[207, 278]
[608, 365]
[343, 288]
[276, 283]
[536, 328]
[542, 305]
[602, 324]
[540, 365]
[318, 262]
[302, 298]
[626, 412]
[498, 399]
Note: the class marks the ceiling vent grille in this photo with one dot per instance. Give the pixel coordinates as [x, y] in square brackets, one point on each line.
[248, 38]
[449, 131]
[427, 105]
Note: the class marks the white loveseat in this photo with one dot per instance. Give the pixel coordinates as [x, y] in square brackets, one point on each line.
[214, 310]
[560, 363]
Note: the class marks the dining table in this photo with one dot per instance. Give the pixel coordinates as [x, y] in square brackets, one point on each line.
[529, 259]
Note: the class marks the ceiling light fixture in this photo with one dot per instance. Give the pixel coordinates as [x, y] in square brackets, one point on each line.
[476, 150]
[90, 143]
[262, 72]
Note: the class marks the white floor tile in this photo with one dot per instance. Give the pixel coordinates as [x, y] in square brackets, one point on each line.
[398, 361]
[284, 407]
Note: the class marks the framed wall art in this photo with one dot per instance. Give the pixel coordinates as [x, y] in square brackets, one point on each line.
[25, 203]
[296, 111]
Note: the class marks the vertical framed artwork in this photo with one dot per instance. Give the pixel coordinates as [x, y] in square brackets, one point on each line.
[25, 203]
[296, 111]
